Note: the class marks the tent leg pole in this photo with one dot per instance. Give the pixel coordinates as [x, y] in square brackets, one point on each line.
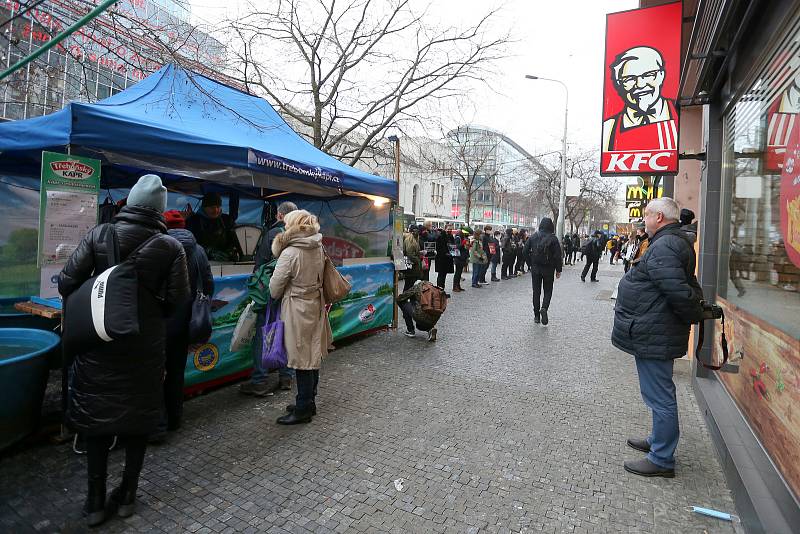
[394, 307]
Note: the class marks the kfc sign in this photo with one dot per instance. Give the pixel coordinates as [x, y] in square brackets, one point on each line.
[640, 121]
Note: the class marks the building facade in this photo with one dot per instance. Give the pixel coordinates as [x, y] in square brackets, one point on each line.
[740, 173]
[131, 40]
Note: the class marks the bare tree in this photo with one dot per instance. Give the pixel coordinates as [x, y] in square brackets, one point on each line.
[346, 71]
[469, 156]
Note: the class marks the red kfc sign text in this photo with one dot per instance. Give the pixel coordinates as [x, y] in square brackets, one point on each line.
[640, 120]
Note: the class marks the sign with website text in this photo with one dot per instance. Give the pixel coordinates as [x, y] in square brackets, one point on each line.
[641, 79]
[67, 211]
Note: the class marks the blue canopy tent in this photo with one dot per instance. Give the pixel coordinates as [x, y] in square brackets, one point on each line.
[186, 125]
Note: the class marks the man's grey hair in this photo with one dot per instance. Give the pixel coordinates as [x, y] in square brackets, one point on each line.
[666, 206]
[639, 52]
[284, 208]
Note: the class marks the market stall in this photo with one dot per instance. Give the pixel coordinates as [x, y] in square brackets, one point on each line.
[200, 136]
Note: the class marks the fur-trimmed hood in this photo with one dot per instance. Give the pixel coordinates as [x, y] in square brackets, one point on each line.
[303, 236]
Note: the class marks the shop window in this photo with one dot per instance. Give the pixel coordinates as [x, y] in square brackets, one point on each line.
[760, 249]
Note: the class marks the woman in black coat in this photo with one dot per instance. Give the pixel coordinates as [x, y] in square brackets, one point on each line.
[116, 388]
[444, 260]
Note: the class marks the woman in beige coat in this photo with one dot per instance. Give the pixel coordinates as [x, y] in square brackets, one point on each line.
[298, 281]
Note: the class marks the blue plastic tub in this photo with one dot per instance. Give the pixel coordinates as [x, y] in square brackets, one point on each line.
[23, 379]
[11, 318]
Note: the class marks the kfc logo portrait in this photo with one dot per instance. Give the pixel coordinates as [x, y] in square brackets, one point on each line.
[640, 126]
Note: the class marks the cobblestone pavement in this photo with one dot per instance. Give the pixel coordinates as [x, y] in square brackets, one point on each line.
[500, 426]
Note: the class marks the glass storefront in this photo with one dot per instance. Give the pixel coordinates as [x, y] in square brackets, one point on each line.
[759, 262]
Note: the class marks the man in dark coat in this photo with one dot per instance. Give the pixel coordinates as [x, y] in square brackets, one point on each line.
[214, 230]
[522, 259]
[593, 250]
[444, 259]
[486, 240]
[177, 342]
[461, 240]
[116, 388]
[509, 248]
[257, 386]
[576, 247]
[544, 258]
[657, 301]
[567, 242]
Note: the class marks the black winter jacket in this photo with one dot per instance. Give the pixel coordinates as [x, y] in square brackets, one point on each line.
[200, 278]
[116, 389]
[444, 261]
[264, 249]
[659, 299]
[550, 241]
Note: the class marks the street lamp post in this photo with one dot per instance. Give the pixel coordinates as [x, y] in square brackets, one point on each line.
[562, 197]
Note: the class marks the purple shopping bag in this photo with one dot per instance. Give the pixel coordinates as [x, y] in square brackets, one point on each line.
[273, 350]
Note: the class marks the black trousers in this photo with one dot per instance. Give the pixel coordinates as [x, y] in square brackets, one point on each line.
[459, 264]
[307, 382]
[520, 267]
[568, 256]
[593, 263]
[542, 280]
[508, 265]
[441, 279]
[97, 455]
[175, 367]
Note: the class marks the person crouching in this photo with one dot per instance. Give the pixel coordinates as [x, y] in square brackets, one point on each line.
[410, 303]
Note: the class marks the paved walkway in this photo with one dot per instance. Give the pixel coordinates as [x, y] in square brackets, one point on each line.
[500, 426]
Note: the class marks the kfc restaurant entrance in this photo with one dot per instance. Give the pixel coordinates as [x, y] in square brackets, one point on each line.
[738, 169]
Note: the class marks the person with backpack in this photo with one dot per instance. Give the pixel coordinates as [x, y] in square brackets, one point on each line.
[593, 250]
[257, 386]
[478, 258]
[177, 340]
[423, 304]
[413, 257]
[115, 389]
[509, 249]
[567, 243]
[545, 264]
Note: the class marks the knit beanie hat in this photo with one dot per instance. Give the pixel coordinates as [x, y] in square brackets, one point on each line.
[211, 199]
[149, 193]
[174, 219]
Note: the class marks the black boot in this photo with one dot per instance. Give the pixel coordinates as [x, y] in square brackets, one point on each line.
[544, 316]
[290, 408]
[296, 416]
[124, 496]
[536, 317]
[95, 508]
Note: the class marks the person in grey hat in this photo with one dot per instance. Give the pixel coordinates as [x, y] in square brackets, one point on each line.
[115, 389]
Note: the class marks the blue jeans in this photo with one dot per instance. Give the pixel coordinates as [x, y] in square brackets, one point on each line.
[477, 272]
[307, 382]
[494, 268]
[259, 376]
[658, 393]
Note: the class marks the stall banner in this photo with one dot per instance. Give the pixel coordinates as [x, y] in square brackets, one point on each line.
[370, 303]
[67, 211]
[213, 360]
[642, 71]
[790, 198]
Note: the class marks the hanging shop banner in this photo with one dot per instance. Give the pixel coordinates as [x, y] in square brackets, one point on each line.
[790, 198]
[370, 303]
[368, 306]
[67, 211]
[641, 79]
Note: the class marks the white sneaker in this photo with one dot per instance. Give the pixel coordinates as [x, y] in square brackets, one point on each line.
[409, 333]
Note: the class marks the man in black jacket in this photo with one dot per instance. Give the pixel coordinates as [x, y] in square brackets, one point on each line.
[657, 301]
[593, 250]
[543, 254]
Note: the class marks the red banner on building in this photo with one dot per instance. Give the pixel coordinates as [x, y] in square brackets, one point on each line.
[641, 79]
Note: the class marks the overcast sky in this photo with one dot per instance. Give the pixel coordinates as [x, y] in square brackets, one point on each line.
[561, 39]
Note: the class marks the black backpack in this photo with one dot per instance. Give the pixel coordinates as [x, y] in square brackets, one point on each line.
[540, 251]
